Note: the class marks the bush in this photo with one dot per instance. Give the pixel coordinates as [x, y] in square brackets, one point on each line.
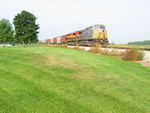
[64, 46]
[105, 52]
[95, 50]
[115, 53]
[141, 55]
[77, 47]
[59, 45]
[98, 50]
[133, 54]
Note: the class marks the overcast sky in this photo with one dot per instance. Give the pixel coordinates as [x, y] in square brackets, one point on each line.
[125, 20]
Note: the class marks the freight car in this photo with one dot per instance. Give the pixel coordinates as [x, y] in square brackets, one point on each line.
[90, 36]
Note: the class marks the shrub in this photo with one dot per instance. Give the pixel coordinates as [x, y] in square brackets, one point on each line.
[98, 50]
[141, 55]
[115, 53]
[133, 54]
[105, 52]
[95, 50]
[64, 46]
[60, 45]
[77, 47]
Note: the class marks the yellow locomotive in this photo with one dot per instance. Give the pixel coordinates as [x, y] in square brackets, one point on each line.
[90, 36]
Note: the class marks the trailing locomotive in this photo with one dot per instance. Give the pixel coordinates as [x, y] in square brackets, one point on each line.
[90, 36]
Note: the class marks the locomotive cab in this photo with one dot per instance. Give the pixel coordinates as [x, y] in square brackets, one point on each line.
[99, 32]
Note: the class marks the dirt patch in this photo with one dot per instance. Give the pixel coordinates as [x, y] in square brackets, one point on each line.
[85, 73]
[145, 63]
[82, 71]
[65, 62]
[110, 76]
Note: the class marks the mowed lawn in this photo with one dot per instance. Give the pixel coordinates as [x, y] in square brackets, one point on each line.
[59, 80]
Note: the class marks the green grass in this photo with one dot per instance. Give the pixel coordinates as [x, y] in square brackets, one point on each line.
[59, 80]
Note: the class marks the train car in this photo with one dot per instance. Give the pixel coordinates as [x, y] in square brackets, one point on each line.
[49, 41]
[63, 39]
[72, 38]
[90, 36]
[53, 40]
[58, 40]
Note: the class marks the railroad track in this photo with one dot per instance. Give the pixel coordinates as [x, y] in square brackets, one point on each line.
[145, 49]
[88, 47]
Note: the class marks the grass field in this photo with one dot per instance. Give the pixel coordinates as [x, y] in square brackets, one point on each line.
[59, 80]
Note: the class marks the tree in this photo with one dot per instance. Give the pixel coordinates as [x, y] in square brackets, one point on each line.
[6, 31]
[145, 42]
[26, 30]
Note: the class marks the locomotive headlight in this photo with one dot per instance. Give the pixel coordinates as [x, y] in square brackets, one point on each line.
[100, 31]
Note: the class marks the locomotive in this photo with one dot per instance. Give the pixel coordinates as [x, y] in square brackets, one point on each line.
[90, 36]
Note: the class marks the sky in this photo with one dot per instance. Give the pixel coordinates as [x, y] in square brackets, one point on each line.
[125, 20]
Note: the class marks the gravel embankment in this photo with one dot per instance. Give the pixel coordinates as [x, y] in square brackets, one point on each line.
[145, 62]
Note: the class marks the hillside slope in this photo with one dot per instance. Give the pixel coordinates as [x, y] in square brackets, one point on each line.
[58, 80]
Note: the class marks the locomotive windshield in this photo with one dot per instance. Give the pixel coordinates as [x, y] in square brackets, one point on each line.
[102, 27]
[98, 27]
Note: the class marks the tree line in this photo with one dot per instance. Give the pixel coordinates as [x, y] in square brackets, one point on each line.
[24, 29]
[146, 42]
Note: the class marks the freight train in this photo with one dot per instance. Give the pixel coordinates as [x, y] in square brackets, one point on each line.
[90, 36]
